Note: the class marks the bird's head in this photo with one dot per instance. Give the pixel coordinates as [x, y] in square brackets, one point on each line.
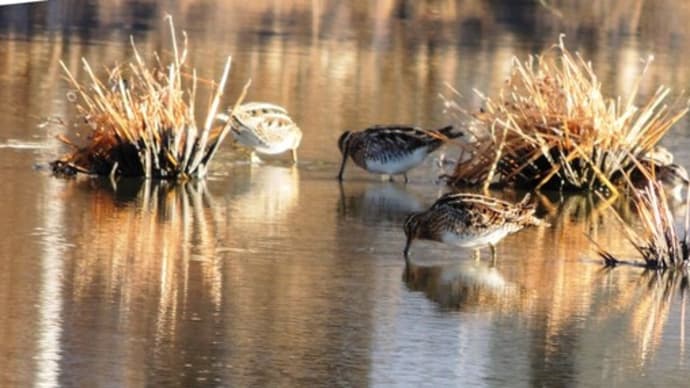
[411, 228]
[344, 141]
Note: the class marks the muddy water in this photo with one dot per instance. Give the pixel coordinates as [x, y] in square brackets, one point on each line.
[275, 275]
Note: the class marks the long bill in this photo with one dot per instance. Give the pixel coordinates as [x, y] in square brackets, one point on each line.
[406, 251]
[342, 165]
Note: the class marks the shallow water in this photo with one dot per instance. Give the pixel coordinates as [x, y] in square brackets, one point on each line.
[274, 275]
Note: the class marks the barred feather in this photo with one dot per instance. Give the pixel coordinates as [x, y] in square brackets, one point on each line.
[393, 149]
[470, 220]
[265, 128]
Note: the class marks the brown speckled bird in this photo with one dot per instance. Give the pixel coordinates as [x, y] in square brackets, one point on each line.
[469, 221]
[391, 150]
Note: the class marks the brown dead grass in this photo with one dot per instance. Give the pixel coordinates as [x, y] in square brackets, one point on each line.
[141, 122]
[661, 245]
[551, 126]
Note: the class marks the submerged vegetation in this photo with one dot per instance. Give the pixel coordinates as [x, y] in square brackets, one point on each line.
[142, 122]
[552, 127]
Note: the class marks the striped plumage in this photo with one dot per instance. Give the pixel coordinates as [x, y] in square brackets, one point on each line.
[391, 150]
[265, 128]
[469, 220]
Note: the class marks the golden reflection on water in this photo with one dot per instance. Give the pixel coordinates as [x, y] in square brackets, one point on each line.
[135, 249]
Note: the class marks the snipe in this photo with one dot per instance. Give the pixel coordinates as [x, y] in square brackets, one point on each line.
[264, 128]
[391, 150]
[469, 221]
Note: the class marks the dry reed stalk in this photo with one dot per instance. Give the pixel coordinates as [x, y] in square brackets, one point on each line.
[658, 242]
[553, 127]
[143, 124]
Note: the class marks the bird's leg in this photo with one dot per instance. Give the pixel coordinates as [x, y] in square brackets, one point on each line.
[294, 155]
[343, 202]
[493, 254]
[342, 165]
[476, 254]
[405, 176]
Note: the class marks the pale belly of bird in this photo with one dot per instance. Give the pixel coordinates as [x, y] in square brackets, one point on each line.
[277, 146]
[272, 149]
[475, 239]
[397, 163]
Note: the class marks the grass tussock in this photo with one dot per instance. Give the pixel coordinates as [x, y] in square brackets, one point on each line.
[661, 245]
[141, 121]
[551, 126]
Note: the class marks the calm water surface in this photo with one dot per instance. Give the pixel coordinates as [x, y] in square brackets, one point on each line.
[275, 275]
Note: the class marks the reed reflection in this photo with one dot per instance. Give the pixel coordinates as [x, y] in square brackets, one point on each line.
[651, 310]
[570, 286]
[146, 263]
[578, 218]
[647, 304]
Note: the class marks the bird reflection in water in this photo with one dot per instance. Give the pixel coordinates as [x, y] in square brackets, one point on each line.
[377, 203]
[267, 194]
[464, 285]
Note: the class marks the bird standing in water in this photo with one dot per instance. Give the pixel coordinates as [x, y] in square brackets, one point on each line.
[391, 150]
[469, 221]
[265, 128]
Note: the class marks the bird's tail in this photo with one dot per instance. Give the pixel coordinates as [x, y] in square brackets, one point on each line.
[448, 132]
[527, 209]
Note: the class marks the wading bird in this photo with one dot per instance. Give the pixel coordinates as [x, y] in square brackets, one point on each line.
[391, 150]
[469, 221]
[264, 128]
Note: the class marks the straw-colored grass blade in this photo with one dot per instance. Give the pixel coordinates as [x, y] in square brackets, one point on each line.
[553, 103]
[144, 121]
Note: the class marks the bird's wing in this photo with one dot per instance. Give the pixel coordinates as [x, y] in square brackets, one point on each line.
[259, 108]
[480, 209]
[264, 129]
[404, 138]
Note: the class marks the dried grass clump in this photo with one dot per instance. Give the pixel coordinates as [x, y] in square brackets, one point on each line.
[551, 126]
[658, 242]
[142, 122]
